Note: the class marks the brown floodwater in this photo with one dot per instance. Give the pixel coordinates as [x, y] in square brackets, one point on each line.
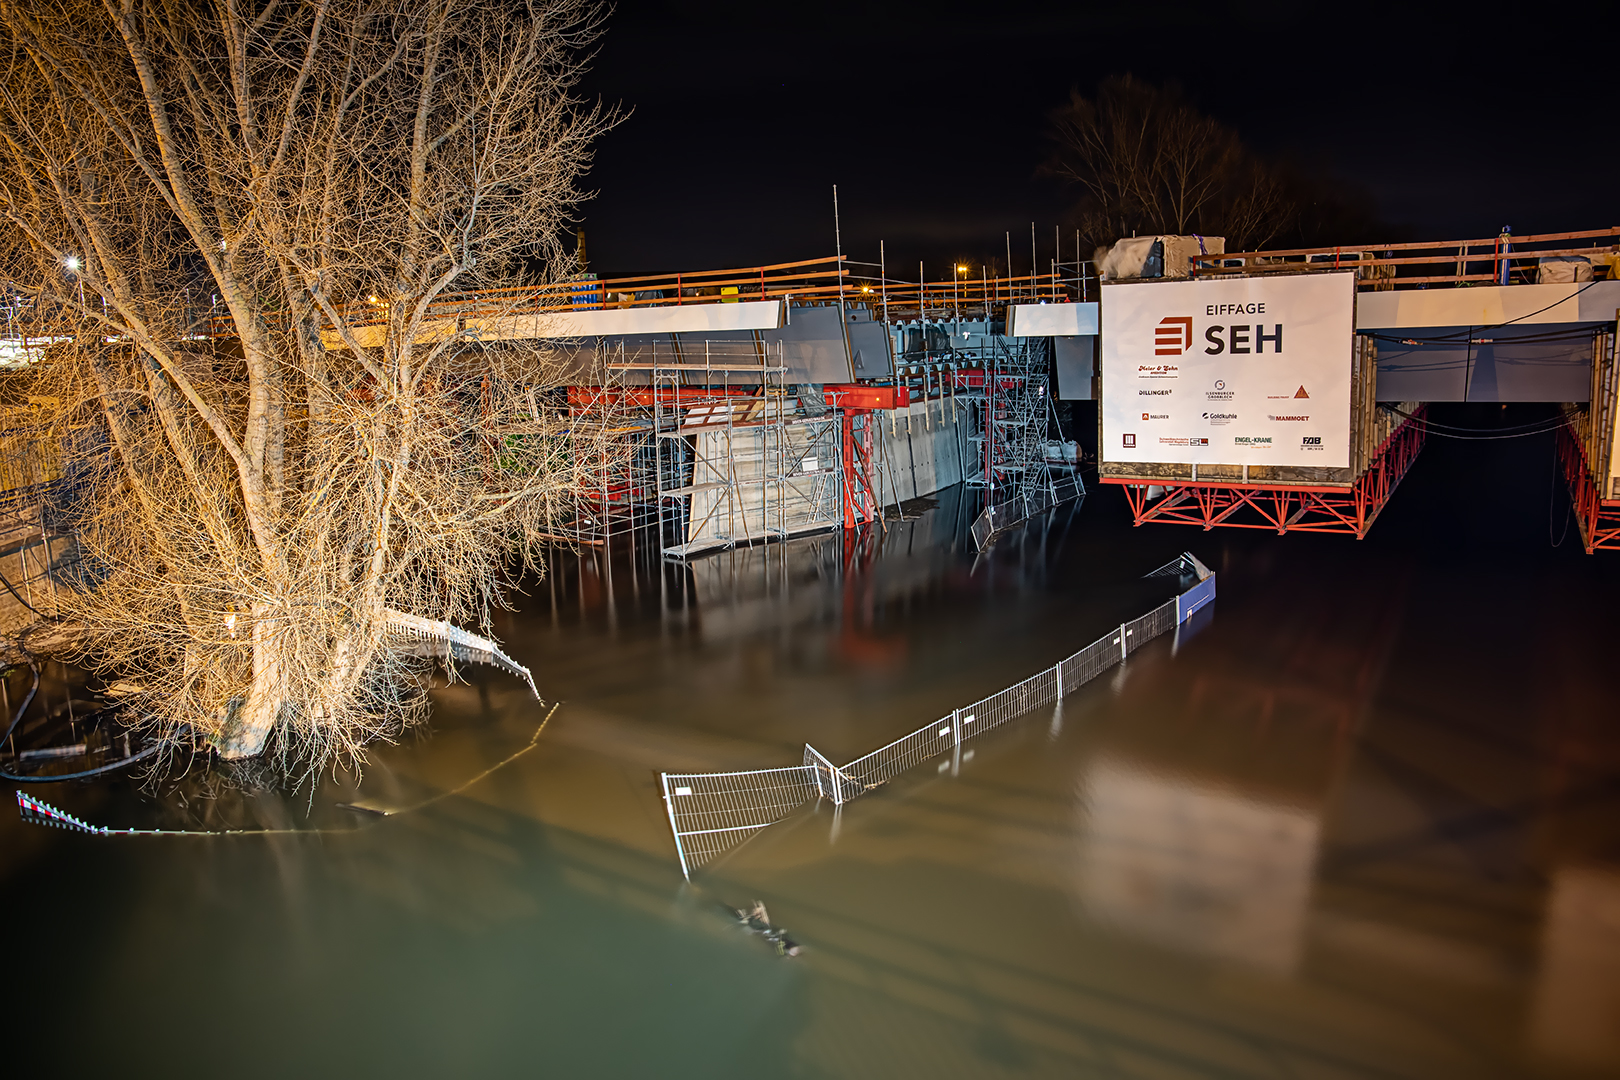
[1364, 822]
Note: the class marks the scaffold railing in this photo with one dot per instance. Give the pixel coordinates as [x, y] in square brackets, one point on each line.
[711, 813]
[1504, 259]
[831, 279]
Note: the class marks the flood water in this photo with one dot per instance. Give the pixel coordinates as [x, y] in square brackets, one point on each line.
[1364, 823]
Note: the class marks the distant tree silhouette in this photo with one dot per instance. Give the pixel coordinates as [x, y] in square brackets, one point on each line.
[1146, 161]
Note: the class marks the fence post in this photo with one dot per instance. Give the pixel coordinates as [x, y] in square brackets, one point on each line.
[1124, 645]
[669, 807]
[956, 727]
[1057, 674]
[822, 765]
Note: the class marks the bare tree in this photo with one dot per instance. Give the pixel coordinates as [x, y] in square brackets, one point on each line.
[1146, 161]
[242, 214]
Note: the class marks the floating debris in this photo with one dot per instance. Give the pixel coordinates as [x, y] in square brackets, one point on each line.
[364, 806]
[49, 752]
[756, 920]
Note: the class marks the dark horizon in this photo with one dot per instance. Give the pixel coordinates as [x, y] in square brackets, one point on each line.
[929, 118]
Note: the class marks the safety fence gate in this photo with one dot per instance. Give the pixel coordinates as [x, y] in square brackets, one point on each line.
[711, 813]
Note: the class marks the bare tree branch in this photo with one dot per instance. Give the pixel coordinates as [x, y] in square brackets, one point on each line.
[1147, 162]
[237, 181]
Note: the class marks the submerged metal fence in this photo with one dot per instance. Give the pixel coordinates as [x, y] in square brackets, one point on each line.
[997, 518]
[711, 813]
[720, 810]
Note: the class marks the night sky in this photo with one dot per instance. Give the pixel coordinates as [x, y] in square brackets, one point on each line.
[1452, 121]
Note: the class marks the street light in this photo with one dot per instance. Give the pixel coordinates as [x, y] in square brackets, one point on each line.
[71, 264]
[956, 293]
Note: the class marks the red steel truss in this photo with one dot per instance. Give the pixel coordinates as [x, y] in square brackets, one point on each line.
[1599, 518]
[860, 503]
[1284, 507]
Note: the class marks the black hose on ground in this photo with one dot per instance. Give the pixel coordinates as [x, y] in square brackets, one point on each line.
[7, 774]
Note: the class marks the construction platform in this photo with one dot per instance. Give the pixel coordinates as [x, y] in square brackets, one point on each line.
[753, 404]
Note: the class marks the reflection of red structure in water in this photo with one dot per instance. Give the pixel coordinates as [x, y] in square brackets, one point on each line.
[856, 641]
[1284, 507]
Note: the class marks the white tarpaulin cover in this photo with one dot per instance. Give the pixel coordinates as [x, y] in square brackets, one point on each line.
[1244, 371]
[1157, 256]
[1051, 320]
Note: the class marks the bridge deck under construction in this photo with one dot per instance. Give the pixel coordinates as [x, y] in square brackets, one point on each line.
[758, 403]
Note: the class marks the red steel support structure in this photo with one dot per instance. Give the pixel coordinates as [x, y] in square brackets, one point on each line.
[1283, 507]
[1598, 518]
[860, 504]
[857, 402]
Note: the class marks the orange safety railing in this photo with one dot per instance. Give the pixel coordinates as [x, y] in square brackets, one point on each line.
[1389, 266]
[964, 297]
[813, 278]
[821, 280]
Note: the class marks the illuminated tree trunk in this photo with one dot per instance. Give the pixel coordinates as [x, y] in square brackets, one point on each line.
[290, 525]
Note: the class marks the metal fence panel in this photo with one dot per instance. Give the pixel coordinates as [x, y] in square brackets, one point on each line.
[1005, 705]
[886, 763]
[1090, 662]
[998, 517]
[710, 813]
[831, 781]
[1139, 632]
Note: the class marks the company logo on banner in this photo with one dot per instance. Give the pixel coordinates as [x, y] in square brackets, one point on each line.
[1265, 362]
[1174, 336]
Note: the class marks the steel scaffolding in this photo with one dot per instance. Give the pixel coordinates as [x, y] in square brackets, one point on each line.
[1016, 468]
[1013, 419]
[735, 458]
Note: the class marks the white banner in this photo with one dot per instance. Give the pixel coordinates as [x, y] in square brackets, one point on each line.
[1051, 320]
[1238, 371]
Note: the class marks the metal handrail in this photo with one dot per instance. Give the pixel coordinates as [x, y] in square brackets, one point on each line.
[1500, 252]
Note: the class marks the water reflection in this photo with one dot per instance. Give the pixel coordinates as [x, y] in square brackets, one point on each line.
[1335, 833]
[1195, 868]
[1575, 1018]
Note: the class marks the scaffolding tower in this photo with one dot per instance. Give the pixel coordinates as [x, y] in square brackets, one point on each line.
[1015, 467]
[611, 448]
[736, 459]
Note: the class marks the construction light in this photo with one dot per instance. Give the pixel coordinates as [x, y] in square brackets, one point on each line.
[961, 269]
[374, 299]
[71, 263]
